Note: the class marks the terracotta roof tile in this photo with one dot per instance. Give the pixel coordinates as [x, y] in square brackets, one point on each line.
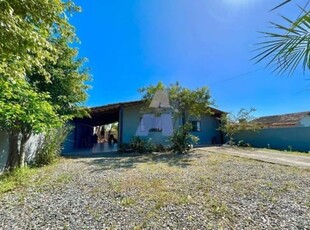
[291, 119]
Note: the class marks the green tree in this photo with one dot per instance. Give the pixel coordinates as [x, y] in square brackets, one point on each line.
[23, 110]
[231, 124]
[25, 30]
[42, 83]
[288, 47]
[66, 85]
[185, 104]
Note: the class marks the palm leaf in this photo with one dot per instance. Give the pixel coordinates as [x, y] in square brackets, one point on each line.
[288, 47]
[282, 4]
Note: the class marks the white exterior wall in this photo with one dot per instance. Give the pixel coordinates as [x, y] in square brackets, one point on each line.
[30, 148]
[4, 148]
[305, 121]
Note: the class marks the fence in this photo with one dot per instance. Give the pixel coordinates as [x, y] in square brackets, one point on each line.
[293, 138]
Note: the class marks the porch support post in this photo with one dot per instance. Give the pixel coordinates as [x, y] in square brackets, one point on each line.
[120, 124]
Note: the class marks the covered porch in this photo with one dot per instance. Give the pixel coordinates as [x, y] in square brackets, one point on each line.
[102, 132]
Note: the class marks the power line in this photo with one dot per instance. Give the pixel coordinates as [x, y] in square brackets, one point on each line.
[235, 77]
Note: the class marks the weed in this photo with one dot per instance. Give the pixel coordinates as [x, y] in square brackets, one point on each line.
[64, 178]
[217, 207]
[141, 145]
[16, 178]
[49, 148]
[127, 201]
[290, 149]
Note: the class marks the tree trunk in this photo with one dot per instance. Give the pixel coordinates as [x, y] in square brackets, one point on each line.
[24, 138]
[183, 118]
[14, 150]
[16, 157]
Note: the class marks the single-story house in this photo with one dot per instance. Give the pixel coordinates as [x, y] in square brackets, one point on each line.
[131, 120]
[285, 132]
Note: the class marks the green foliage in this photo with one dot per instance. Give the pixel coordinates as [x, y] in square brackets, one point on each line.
[181, 140]
[184, 102]
[243, 144]
[141, 145]
[41, 80]
[66, 85]
[49, 149]
[26, 30]
[288, 48]
[230, 125]
[42, 83]
[160, 148]
[23, 108]
[18, 177]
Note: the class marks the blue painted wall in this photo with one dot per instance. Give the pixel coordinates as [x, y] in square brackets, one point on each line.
[298, 138]
[131, 119]
[209, 126]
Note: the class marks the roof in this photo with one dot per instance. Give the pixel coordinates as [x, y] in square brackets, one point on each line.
[109, 113]
[117, 106]
[284, 120]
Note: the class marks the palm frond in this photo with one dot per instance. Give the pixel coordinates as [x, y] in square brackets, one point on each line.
[282, 4]
[288, 47]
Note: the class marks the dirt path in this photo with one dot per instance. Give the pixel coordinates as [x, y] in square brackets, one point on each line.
[271, 156]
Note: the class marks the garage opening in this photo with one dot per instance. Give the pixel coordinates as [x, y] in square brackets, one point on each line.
[98, 133]
[101, 132]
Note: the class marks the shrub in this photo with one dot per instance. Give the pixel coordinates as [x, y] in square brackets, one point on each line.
[243, 144]
[50, 147]
[124, 148]
[181, 140]
[141, 145]
[160, 148]
[231, 124]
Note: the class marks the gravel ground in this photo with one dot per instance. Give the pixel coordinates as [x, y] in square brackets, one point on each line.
[161, 191]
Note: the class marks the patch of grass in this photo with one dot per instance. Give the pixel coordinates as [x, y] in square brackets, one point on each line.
[127, 201]
[36, 177]
[287, 186]
[94, 212]
[64, 178]
[17, 178]
[114, 186]
[150, 215]
[217, 207]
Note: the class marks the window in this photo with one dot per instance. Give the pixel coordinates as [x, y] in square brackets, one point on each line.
[150, 124]
[156, 125]
[142, 125]
[196, 126]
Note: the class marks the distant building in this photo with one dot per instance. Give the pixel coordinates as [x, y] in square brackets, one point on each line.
[285, 132]
[301, 119]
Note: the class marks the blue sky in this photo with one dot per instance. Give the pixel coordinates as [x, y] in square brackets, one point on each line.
[135, 43]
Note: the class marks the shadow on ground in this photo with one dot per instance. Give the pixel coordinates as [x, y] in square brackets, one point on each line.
[108, 161]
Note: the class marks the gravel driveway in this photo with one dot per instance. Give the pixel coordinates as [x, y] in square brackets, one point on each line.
[161, 191]
[267, 155]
